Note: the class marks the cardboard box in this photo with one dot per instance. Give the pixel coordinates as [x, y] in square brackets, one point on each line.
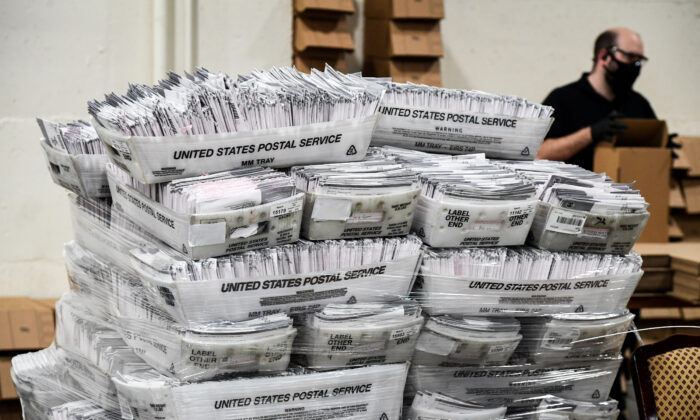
[640, 155]
[675, 232]
[25, 324]
[655, 280]
[659, 313]
[7, 388]
[336, 59]
[691, 314]
[425, 71]
[405, 9]
[313, 33]
[690, 147]
[691, 192]
[323, 8]
[391, 38]
[676, 199]
[689, 225]
[685, 257]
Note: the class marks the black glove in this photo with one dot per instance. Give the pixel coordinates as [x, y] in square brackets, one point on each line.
[607, 128]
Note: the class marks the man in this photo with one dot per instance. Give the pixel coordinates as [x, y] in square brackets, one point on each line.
[585, 111]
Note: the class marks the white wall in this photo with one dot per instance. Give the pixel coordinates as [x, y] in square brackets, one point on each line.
[57, 55]
[529, 47]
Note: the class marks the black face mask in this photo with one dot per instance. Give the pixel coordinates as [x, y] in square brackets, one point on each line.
[622, 79]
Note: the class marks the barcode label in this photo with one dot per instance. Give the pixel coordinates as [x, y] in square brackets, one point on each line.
[564, 221]
[570, 220]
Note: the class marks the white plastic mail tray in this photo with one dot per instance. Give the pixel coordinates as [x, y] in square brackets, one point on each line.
[471, 224]
[579, 380]
[441, 294]
[335, 216]
[83, 174]
[458, 133]
[558, 229]
[161, 159]
[211, 234]
[241, 299]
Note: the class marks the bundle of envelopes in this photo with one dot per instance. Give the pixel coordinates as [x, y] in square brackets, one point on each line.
[215, 214]
[75, 157]
[358, 334]
[582, 211]
[193, 296]
[350, 200]
[458, 121]
[468, 200]
[206, 122]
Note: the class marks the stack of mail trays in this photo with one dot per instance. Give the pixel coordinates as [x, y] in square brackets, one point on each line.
[240, 251]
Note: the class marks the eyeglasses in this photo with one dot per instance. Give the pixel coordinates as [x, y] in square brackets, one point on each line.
[637, 59]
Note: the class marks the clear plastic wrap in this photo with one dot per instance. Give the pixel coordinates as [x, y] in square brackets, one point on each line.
[555, 408]
[365, 392]
[348, 335]
[202, 235]
[429, 405]
[457, 122]
[295, 278]
[82, 410]
[577, 336]
[512, 385]
[434, 405]
[51, 377]
[453, 341]
[192, 352]
[525, 281]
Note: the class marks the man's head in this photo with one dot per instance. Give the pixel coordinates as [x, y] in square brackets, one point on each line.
[619, 54]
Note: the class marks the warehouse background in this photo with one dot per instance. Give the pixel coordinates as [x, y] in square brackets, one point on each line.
[57, 55]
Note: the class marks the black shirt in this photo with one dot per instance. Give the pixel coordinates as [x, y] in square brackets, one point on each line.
[578, 105]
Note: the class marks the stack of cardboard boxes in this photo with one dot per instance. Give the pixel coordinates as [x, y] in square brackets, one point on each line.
[681, 260]
[402, 40]
[25, 324]
[322, 34]
[685, 190]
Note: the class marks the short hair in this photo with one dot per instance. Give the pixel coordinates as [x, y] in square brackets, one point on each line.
[604, 41]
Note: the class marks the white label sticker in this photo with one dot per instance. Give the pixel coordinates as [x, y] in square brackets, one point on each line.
[517, 211]
[600, 233]
[366, 217]
[370, 347]
[207, 234]
[560, 339]
[486, 225]
[286, 208]
[564, 221]
[404, 332]
[502, 348]
[331, 209]
[435, 344]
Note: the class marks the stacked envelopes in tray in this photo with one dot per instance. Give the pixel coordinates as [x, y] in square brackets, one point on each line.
[241, 252]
